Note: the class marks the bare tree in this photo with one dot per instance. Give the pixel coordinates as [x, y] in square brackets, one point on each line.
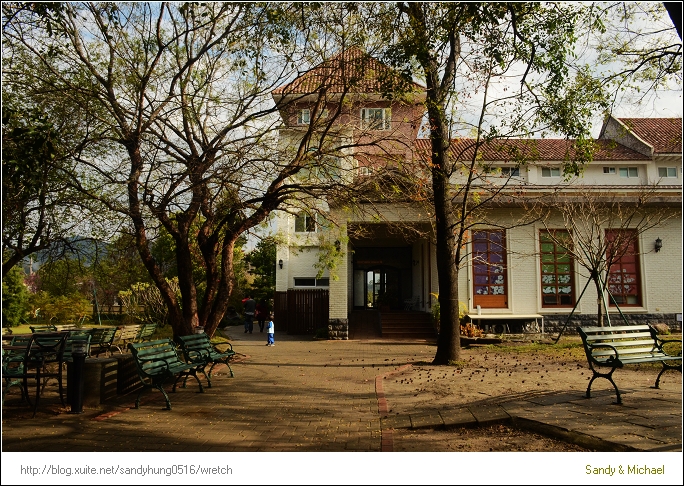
[183, 131]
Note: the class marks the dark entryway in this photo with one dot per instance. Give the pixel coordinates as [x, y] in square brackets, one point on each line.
[382, 278]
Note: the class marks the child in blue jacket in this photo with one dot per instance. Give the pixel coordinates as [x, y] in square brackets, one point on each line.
[270, 330]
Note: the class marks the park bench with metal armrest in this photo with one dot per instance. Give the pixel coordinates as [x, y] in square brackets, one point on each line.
[43, 328]
[197, 348]
[158, 362]
[615, 347]
[146, 331]
[126, 335]
[102, 340]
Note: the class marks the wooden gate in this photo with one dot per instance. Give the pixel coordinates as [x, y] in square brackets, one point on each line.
[301, 311]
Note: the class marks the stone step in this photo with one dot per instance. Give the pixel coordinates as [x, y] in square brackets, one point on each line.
[407, 325]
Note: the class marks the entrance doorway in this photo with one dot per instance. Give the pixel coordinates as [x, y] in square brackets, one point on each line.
[382, 288]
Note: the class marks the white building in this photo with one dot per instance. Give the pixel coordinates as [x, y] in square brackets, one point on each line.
[514, 274]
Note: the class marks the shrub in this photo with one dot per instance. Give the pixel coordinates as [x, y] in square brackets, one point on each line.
[15, 297]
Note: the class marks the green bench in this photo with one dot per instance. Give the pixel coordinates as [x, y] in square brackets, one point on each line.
[102, 340]
[146, 331]
[126, 335]
[43, 328]
[158, 362]
[197, 348]
[615, 347]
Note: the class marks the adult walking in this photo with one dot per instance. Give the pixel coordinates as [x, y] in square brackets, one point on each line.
[261, 314]
[250, 308]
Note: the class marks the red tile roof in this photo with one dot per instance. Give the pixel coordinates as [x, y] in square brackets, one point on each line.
[663, 134]
[352, 69]
[532, 149]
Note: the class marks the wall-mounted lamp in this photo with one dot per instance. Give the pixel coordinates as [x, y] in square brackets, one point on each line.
[658, 244]
[280, 264]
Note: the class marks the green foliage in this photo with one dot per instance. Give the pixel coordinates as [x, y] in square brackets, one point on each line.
[64, 277]
[263, 267]
[15, 297]
[332, 247]
[143, 302]
[436, 315]
[70, 308]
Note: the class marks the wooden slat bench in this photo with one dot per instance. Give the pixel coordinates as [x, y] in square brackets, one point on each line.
[125, 335]
[197, 348]
[158, 362]
[43, 328]
[146, 331]
[615, 347]
[102, 340]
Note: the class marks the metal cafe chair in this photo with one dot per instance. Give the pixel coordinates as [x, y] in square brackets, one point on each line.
[43, 360]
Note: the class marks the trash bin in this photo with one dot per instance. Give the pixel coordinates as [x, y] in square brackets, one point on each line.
[79, 351]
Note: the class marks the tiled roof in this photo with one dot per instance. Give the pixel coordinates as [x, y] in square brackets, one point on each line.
[532, 149]
[664, 134]
[352, 69]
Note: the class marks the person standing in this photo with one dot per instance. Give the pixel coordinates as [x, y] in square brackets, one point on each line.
[261, 314]
[250, 307]
[271, 332]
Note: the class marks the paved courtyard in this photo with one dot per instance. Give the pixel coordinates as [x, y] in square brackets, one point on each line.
[305, 395]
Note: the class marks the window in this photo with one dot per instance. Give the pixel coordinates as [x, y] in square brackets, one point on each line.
[376, 118]
[303, 117]
[623, 276]
[489, 269]
[609, 170]
[305, 223]
[557, 286]
[311, 282]
[629, 172]
[510, 172]
[550, 172]
[364, 170]
[667, 172]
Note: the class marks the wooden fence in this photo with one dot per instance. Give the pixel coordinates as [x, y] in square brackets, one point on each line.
[301, 311]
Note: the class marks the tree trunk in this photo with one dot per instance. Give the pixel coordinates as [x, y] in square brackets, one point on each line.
[449, 341]
[599, 302]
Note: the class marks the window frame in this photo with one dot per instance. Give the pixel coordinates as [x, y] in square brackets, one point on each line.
[300, 116]
[551, 172]
[609, 170]
[555, 262]
[512, 172]
[371, 124]
[667, 172]
[628, 172]
[310, 221]
[489, 268]
[630, 256]
[318, 282]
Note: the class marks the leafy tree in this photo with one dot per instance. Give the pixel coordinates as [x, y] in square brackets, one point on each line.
[66, 276]
[181, 126]
[638, 47]
[462, 50]
[262, 261]
[37, 204]
[15, 297]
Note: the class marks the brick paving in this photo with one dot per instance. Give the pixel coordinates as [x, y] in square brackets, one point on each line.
[309, 395]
